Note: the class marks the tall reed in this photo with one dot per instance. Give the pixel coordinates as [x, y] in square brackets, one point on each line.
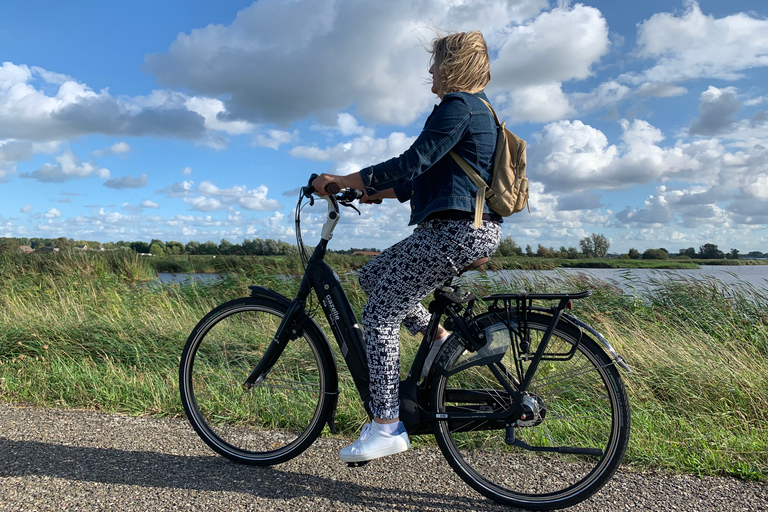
[79, 330]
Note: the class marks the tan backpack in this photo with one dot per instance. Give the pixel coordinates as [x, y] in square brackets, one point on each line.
[508, 191]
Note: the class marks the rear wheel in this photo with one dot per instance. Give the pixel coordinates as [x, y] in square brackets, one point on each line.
[280, 416]
[575, 430]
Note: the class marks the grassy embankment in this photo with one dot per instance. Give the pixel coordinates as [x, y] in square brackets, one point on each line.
[81, 330]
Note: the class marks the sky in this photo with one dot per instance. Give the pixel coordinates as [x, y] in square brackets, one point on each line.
[196, 120]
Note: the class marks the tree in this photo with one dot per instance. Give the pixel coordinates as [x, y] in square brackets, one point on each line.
[690, 252]
[600, 244]
[655, 254]
[9, 246]
[226, 247]
[508, 247]
[156, 249]
[140, 247]
[209, 248]
[733, 254]
[64, 243]
[587, 247]
[528, 250]
[633, 254]
[573, 253]
[174, 248]
[543, 252]
[192, 247]
[710, 252]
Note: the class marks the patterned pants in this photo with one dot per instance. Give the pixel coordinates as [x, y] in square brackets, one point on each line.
[397, 280]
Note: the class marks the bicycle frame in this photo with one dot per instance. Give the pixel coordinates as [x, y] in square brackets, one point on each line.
[414, 413]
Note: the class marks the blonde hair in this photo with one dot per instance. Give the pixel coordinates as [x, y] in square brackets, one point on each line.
[461, 61]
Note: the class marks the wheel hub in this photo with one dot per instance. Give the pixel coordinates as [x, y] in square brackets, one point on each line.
[533, 411]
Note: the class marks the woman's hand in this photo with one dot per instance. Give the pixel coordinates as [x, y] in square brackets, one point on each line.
[349, 181]
[324, 180]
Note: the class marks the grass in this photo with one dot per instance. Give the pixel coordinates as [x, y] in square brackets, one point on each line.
[86, 330]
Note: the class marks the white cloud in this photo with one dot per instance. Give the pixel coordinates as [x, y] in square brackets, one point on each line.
[537, 104]
[572, 156]
[204, 204]
[127, 182]
[26, 208]
[349, 157]
[182, 189]
[28, 112]
[114, 149]
[214, 112]
[68, 166]
[695, 45]
[341, 53]
[53, 213]
[660, 90]
[606, 95]
[275, 138]
[253, 199]
[187, 171]
[149, 204]
[717, 108]
[560, 45]
[208, 197]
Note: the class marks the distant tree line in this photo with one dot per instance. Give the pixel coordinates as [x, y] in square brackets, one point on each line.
[593, 246]
[705, 252]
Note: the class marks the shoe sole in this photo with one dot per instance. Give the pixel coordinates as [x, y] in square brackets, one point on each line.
[372, 456]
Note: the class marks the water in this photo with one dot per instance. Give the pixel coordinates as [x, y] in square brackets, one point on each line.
[640, 280]
[185, 279]
[635, 280]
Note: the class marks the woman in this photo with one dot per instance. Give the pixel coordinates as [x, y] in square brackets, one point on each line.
[442, 200]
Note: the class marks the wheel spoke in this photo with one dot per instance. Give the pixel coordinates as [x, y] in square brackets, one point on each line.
[271, 421]
[576, 404]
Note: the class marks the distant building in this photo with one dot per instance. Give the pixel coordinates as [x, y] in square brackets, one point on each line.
[47, 249]
[26, 249]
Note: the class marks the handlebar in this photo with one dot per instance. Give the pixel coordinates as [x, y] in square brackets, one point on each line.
[346, 195]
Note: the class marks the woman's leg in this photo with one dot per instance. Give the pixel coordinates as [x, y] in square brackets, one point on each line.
[398, 280]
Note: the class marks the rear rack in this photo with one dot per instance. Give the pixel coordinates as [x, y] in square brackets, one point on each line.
[519, 305]
[538, 296]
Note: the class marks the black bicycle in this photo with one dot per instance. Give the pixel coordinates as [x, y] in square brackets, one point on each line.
[525, 401]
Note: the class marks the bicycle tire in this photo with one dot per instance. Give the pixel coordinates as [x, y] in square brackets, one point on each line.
[584, 405]
[279, 417]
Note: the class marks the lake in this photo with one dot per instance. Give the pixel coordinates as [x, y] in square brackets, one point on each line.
[627, 280]
[641, 279]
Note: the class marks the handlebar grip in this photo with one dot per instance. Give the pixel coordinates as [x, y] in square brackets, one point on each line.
[332, 188]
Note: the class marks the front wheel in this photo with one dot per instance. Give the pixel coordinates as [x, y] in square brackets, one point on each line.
[572, 437]
[280, 416]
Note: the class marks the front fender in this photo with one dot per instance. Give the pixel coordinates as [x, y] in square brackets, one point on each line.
[266, 293]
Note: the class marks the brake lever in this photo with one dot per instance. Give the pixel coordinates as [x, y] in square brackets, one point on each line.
[350, 205]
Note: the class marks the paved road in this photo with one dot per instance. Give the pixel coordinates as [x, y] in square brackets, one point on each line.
[85, 460]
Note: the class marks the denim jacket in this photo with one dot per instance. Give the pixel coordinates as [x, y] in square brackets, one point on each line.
[425, 174]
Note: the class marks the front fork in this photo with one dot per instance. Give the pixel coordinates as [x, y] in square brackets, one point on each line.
[289, 329]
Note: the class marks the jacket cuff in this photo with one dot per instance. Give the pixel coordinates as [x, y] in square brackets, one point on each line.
[403, 191]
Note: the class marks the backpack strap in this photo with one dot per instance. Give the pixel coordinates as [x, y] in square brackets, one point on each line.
[483, 190]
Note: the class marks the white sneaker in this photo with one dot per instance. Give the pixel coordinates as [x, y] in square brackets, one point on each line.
[373, 443]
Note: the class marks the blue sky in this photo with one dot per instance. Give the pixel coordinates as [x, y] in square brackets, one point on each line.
[646, 121]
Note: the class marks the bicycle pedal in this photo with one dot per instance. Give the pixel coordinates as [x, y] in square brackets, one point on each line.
[357, 464]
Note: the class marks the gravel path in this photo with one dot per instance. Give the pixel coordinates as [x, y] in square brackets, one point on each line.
[85, 460]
